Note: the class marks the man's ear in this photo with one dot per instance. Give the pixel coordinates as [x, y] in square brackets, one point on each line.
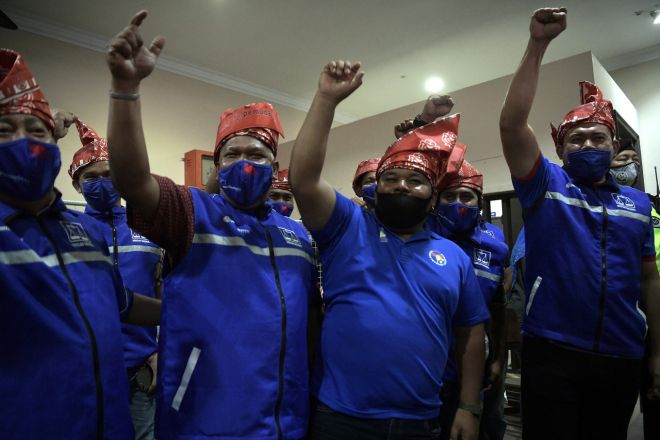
[76, 185]
[560, 151]
[434, 200]
[616, 147]
[276, 168]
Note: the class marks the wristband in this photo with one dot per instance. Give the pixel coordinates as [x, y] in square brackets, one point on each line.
[418, 121]
[471, 408]
[124, 96]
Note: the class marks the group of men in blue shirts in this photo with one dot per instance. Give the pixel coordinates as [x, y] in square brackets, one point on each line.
[408, 279]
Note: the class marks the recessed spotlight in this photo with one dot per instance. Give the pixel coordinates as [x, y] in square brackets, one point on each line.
[434, 84]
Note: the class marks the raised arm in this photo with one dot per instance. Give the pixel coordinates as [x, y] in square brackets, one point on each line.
[521, 149]
[314, 196]
[130, 61]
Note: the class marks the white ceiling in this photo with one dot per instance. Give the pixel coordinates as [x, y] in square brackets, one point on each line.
[276, 48]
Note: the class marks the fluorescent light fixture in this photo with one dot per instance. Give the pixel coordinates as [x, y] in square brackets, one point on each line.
[434, 84]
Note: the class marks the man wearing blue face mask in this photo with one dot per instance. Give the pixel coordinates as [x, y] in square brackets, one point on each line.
[233, 342]
[458, 219]
[591, 282]
[139, 261]
[61, 369]
[280, 195]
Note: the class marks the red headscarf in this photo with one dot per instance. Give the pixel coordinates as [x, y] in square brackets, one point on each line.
[19, 91]
[259, 120]
[428, 149]
[467, 176]
[364, 167]
[594, 108]
[282, 181]
[94, 149]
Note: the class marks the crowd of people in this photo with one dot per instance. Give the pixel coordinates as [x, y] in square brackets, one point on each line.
[381, 316]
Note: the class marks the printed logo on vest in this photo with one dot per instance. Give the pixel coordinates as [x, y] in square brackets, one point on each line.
[137, 237]
[488, 232]
[482, 258]
[438, 258]
[623, 202]
[230, 221]
[290, 237]
[656, 222]
[76, 234]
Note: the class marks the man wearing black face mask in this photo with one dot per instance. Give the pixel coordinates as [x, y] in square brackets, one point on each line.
[139, 262]
[393, 290]
[61, 368]
[233, 341]
[590, 263]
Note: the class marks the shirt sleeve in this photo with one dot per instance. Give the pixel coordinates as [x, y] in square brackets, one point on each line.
[471, 308]
[172, 227]
[533, 186]
[337, 223]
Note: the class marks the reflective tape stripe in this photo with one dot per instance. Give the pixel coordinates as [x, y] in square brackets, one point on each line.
[532, 294]
[135, 248]
[490, 276]
[262, 251]
[28, 256]
[4, 228]
[185, 379]
[553, 195]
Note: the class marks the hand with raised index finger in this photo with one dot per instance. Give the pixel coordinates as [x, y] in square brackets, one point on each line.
[339, 79]
[128, 58]
[547, 23]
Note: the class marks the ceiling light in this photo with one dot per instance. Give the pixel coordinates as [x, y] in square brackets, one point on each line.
[434, 84]
[656, 17]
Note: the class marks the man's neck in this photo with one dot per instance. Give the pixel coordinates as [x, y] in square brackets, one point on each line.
[34, 208]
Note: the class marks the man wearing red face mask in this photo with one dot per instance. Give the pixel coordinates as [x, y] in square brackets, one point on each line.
[62, 372]
[590, 263]
[233, 346]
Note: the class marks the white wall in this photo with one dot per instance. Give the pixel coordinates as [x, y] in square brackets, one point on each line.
[641, 83]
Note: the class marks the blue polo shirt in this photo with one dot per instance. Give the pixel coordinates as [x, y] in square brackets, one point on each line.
[584, 250]
[389, 310]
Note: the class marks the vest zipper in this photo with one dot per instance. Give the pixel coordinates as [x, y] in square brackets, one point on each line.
[90, 332]
[115, 248]
[280, 379]
[603, 280]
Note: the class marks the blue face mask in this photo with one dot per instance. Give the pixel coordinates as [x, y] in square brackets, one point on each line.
[100, 193]
[283, 208]
[589, 164]
[369, 195]
[245, 182]
[457, 217]
[28, 168]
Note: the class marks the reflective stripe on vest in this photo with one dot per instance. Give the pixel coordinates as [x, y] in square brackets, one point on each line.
[135, 248]
[263, 251]
[28, 256]
[597, 209]
[488, 275]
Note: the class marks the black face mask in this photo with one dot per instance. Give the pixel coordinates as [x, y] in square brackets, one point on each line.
[401, 211]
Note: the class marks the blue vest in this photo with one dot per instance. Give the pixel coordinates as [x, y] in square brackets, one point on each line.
[233, 345]
[584, 248]
[61, 369]
[137, 259]
[487, 249]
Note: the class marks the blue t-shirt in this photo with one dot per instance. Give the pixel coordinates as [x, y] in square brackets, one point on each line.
[584, 249]
[389, 310]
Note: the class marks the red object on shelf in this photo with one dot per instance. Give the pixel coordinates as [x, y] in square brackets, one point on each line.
[199, 167]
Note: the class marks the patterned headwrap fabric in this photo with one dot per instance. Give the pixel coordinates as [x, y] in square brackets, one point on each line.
[94, 149]
[282, 181]
[594, 108]
[426, 149]
[258, 120]
[19, 91]
[364, 167]
[467, 176]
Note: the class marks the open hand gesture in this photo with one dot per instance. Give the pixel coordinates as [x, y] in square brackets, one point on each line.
[547, 23]
[339, 79]
[128, 59]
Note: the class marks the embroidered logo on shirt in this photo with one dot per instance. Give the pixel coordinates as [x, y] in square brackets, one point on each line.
[482, 258]
[137, 237]
[488, 232]
[656, 222]
[438, 258]
[290, 237]
[76, 234]
[230, 221]
[623, 202]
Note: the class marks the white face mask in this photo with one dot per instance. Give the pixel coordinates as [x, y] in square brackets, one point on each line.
[625, 174]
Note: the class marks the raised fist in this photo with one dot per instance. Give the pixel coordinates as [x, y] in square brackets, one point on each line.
[339, 79]
[63, 120]
[128, 59]
[437, 106]
[547, 23]
[403, 127]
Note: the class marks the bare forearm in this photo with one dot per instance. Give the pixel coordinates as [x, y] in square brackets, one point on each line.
[651, 300]
[498, 330]
[145, 311]
[470, 352]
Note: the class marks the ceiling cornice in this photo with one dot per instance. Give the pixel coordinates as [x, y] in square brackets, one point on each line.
[99, 43]
[632, 58]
